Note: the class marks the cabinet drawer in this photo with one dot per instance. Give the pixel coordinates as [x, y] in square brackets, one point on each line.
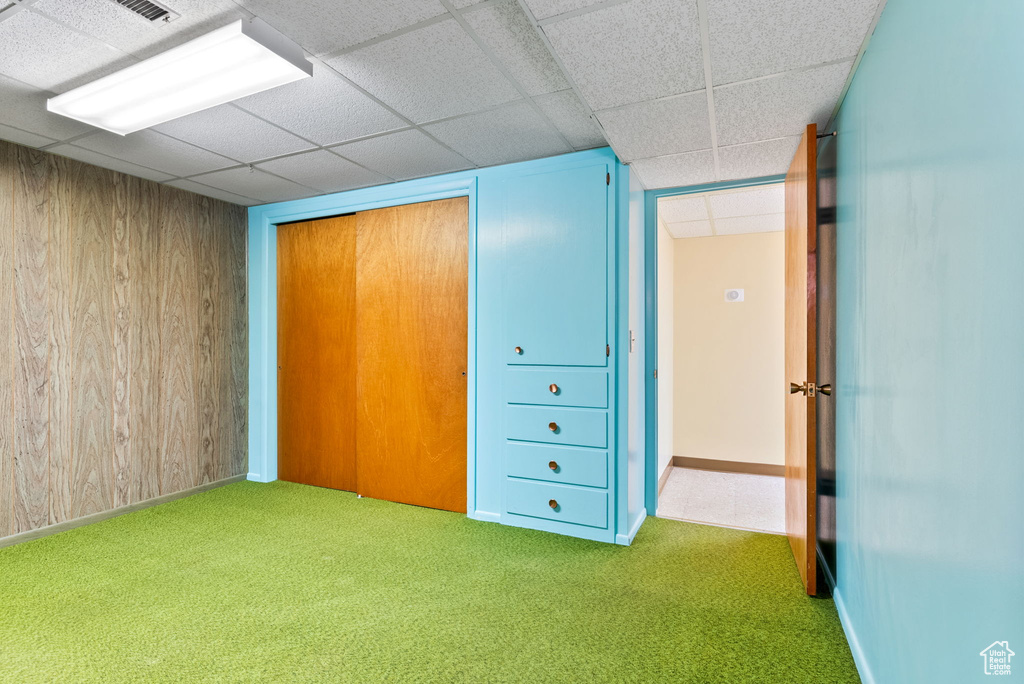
[558, 387]
[588, 467]
[556, 502]
[577, 427]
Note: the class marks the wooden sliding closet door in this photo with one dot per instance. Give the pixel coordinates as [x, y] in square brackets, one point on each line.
[316, 378]
[412, 294]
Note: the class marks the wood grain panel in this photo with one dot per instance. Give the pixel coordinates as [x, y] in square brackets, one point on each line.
[62, 188]
[144, 292]
[412, 289]
[235, 341]
[31, 383]
[106, 284]
[92, 323]
[7, 166]
[179, 423]
[316, 322]
[208, 372]
[801, 316]
[121, 342]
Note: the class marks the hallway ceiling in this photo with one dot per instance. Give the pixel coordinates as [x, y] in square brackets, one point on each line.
[687, 91]
[756, 209]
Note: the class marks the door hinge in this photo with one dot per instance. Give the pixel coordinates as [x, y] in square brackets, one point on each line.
[607, 350]
[608, 179]
[655, 373]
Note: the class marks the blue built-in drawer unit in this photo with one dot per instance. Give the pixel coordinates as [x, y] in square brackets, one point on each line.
[564, 465]
[556, 354]
[554, 387]
[575, 427]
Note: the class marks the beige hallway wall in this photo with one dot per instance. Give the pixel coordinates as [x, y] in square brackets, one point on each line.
[729, 384]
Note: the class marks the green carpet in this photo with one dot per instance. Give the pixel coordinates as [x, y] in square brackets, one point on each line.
[286, 583]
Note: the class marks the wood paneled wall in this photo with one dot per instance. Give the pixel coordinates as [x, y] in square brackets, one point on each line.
[123, 339]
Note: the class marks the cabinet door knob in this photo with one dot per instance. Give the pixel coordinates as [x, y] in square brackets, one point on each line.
[553, 465]
[554, 388]
[553, 504]
[553, 426]
[519, 350]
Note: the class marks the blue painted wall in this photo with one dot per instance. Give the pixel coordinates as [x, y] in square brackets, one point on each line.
[930, 430]
[636, 459]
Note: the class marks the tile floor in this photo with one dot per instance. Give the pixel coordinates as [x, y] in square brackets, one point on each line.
[751, 502]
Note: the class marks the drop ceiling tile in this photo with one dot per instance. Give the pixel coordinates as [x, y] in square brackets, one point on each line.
[689, 229]
[755, 160]
[510, 36]
[778, 106]
[324, 109]
[155, 151]
[16, 135]
[233, 133]
[462, 4]
[769, 199]
[324, 171]
[120, 27]
[97, 159]
[431, 73]
[676, 170]
[570, 117]
[254, 183]
[41, 52]
[751, 39]
[24, 106]
[631, 52]
[766, 223]
[653, 129]
[403, 155]
[500, 136]
[542, 9]
[206, 190]
[323, 26]
[683, 208]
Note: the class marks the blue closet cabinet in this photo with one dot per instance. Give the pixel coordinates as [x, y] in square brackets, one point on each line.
[552, 285]
[556, 267]
[548, 440]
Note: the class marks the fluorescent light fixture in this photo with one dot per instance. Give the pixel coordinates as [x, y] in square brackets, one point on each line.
[240, 59]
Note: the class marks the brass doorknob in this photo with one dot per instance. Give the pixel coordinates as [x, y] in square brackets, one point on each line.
[553, 465]
[553, 426]
[554, 388]
[809, 389]
[519, 350]
[553, 504]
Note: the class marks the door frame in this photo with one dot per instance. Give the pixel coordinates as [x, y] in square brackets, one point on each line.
[651, 198]
[262, 289]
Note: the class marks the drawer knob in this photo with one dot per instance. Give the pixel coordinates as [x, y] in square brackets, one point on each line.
[519, 350]
[553, 465]
[553, 426]
[553, 504]
[554, 388]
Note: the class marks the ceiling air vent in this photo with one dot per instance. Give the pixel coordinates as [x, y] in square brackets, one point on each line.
[148, 10]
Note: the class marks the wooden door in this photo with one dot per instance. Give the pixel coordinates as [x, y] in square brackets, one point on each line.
[411, 347]
[556, 261]
[801, 354]
[316, 356]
